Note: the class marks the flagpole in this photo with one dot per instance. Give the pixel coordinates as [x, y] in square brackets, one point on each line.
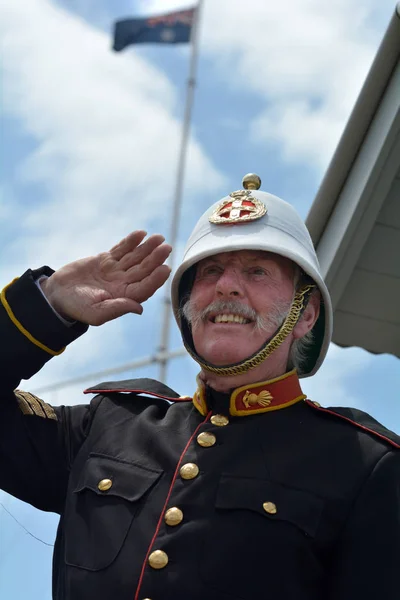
[180, 175]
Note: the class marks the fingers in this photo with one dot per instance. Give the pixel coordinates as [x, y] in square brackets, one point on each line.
[142, 270]
[127, 244]
[140, 253]
[145, 288]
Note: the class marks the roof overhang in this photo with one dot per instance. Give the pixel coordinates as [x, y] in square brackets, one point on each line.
[355, 218]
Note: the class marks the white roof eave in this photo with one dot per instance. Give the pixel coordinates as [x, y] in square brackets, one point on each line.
[358, 125]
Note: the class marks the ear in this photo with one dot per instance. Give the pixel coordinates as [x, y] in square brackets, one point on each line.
[309, 316]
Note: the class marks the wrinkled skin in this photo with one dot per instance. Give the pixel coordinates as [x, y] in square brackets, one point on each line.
[260, 280]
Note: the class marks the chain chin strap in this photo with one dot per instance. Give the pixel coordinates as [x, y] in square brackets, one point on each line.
[298, 305]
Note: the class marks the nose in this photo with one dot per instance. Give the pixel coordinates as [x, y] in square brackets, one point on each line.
[229, 284]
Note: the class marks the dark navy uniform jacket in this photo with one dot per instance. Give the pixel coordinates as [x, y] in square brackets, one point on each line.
[220, 498]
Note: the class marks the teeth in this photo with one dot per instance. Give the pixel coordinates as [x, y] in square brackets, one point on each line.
[230, 319]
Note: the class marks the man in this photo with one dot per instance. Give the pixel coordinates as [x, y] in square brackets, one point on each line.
[248, 490]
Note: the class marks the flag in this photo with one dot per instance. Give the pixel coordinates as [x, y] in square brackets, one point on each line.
[171, 28]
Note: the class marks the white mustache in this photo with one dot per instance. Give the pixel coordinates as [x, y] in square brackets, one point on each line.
[228, 306]
[274, 318]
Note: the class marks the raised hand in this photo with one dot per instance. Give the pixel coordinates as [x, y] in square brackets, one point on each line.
[100, 288]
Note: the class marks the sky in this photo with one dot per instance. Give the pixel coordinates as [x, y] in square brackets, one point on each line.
[89, 151]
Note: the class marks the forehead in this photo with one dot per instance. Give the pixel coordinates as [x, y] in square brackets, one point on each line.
[248, 256]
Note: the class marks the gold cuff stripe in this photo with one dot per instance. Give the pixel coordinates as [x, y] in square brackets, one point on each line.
[32, 405]
[21, 328]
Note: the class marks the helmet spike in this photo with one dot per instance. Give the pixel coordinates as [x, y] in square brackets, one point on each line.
[251, 181]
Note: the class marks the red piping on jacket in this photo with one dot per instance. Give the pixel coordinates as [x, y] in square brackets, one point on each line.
[179, 399]
[166, 504]
[332, 412]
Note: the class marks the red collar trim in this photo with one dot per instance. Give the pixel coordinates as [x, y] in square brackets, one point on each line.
[257, 398]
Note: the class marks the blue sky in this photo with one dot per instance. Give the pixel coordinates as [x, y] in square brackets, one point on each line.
[89, 152]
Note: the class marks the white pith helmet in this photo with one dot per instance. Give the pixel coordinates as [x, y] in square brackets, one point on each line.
[250, 219]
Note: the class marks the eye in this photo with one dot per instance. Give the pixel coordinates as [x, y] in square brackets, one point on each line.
[210, 270]
[256, 271]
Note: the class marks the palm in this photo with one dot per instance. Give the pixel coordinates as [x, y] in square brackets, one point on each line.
[97, 289]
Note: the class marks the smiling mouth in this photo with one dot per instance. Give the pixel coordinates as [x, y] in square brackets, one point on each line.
[229, 318]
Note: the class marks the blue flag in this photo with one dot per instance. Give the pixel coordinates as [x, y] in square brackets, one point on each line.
[172, 28]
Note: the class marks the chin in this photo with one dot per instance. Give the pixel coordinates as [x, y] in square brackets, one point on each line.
[224, 356]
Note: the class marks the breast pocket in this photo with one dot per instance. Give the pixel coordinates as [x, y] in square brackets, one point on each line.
[101, 509]
[258, 528]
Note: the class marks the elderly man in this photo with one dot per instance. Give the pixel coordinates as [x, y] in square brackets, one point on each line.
[247, 490]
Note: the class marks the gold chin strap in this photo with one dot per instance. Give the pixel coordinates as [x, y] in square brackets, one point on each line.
[298, 305]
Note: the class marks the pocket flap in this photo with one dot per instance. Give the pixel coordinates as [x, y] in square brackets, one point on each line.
[298, 507]
[117, 478]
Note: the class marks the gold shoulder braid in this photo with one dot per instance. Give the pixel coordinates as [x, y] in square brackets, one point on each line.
[298, 305]
[30, 404]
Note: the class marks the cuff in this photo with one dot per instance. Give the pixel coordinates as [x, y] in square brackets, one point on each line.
[65, 321]
[35, 318]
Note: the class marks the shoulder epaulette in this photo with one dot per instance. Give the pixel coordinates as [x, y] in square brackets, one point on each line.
[362, 420]
[30, 404]
[150, 387]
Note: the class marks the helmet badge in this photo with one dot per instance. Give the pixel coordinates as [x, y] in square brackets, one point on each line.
[241, 207]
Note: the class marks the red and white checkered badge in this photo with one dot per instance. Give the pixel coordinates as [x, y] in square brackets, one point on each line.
[241, 209]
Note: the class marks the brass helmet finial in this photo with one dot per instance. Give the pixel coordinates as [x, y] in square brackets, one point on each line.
[251, 181]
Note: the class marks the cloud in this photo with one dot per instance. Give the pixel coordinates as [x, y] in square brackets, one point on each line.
[331, 386]
[105, 137]
[306, 59]
[101, 161]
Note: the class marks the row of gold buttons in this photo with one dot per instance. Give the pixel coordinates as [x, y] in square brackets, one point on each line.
[158, 559]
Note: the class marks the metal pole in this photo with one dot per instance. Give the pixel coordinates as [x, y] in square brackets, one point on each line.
[136, 364]
[180, 174]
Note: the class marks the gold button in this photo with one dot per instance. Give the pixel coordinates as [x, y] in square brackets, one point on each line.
[158, 559]
[206, 439]
[317, 404]
[270, 508]
[173, 516]
[104, 485]
[219, 420]
[189, 471]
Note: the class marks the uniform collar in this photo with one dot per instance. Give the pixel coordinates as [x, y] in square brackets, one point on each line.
[255, 398]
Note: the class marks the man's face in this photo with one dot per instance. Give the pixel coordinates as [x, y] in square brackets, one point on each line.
[258, 283]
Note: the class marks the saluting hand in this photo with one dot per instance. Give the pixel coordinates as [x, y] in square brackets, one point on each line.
[100, 288]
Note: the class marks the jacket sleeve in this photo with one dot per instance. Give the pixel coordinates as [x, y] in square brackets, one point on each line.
[366, 563]
[37, 442]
